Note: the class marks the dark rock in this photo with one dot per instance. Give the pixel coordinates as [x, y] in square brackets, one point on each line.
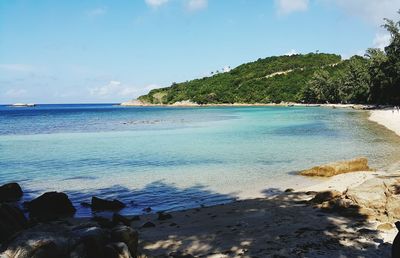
[311, 193]
[289, 190]
[396, 242]
[164, 216]
[135, 218]
[148, 209]
[46, 249]
[12, 220]
[325, 196]
[180, 255]
[41, 241]
[128, 236]
[50, 206]
[117, 250]
[102, 204]
[93, 240]
[10, 192]
[118, 218]
[103, 222]
[148, 224]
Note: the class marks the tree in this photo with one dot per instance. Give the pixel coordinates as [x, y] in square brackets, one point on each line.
[385, 68]
[354, 83]
[321, 88]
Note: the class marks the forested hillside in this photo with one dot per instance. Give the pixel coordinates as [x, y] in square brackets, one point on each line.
[272, 79]
[310, 78]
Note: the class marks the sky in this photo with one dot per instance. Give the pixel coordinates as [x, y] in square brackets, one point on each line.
[74, 51]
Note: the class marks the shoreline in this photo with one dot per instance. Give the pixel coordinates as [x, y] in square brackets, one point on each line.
[389, 118]
[282, 104]
[286, 223]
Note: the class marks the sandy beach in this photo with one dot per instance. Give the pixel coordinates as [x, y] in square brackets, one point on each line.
[285, 225]
[282, 226]
[388, 118]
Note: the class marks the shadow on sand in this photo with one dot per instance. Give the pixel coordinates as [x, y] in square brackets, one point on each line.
[284, 225]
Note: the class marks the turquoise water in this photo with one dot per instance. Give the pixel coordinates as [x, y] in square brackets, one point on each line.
[175, 158]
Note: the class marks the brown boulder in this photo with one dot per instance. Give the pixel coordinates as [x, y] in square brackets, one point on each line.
[341, 167]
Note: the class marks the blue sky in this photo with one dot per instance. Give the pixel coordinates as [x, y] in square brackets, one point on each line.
[72, 51]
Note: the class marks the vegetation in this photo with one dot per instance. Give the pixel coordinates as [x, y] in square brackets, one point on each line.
[310, 78]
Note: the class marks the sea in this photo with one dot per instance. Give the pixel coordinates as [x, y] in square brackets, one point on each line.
[174, 158]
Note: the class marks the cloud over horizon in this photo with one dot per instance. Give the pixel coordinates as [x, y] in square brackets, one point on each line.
[156, 3]
[196, 5]
[285, 7]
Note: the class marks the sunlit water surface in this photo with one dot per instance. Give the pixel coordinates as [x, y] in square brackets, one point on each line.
[176, 158]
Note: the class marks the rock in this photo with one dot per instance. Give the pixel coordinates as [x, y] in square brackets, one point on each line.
[42, 241]
[369, 194]
[128, 236]
[164, 216]
[289, 190]
[92, 241]
[396, 242]
[393, 207]
[325, 196]
[10, 192]
[50, 206]
[311, 193]
[103, 222]
[46, 249]
[180, 255]
[117, 218]
[117, 250]
[12, 220]
[102, 204]
[135, 218]
[385, 227]
[332, 169]
[148, 224]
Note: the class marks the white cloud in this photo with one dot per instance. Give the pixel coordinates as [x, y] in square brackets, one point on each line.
[381, 40]
[16, 67]
[156, 3]
[116, 89]
[291, 53]
[372, 11]
[196, 5]
[112, 89]
[99, 11]
[15, 93]
[290, 6]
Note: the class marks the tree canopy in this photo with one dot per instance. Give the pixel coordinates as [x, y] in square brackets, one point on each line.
[309, 78]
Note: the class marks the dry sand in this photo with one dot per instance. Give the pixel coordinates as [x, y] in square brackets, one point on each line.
[389, 118]
[285, 225]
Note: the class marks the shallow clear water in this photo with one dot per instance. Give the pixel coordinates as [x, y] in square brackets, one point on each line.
[174, 158]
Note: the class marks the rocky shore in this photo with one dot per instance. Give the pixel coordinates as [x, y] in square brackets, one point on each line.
[354, 220]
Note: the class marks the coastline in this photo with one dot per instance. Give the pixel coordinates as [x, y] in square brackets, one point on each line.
[136, 103]
[388, 118]
[286, 223]
[238, 221]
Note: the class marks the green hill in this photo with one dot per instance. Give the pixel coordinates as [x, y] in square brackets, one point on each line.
[272, 79]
